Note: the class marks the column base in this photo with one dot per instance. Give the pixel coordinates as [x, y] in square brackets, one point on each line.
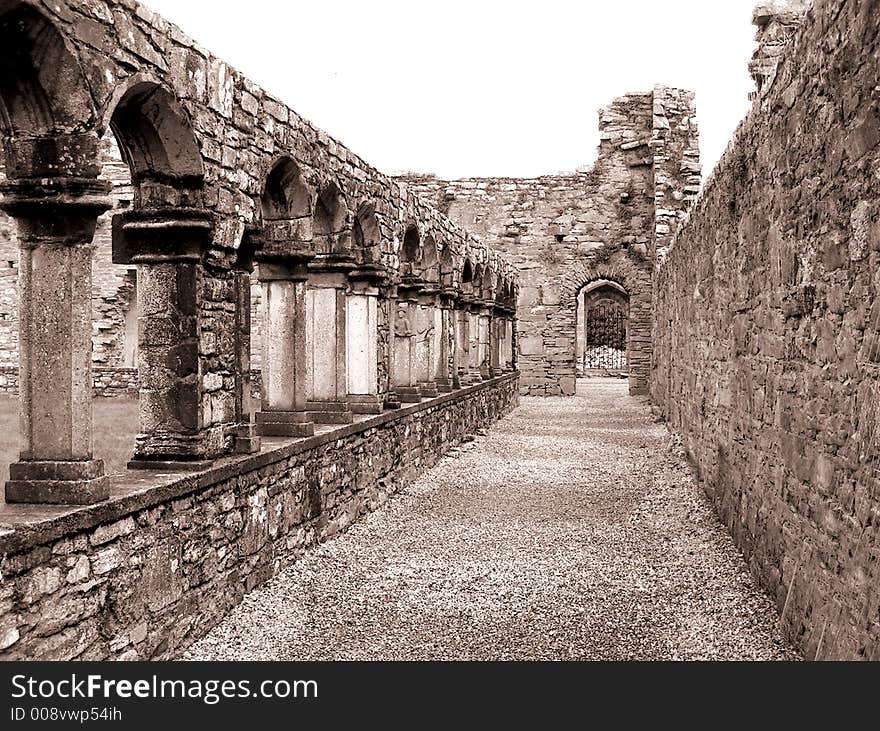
[409, 394]
[284, 424]
[329, 412]
[246, 439]
[428, 389]
[444, 385]
[495, 372]
[58, 482]
[365, 403]
[469, 379]
[391, 401]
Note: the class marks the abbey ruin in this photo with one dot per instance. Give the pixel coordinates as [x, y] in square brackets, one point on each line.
[305, 335]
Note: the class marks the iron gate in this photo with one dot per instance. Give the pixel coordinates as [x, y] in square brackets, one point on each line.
[605, 346]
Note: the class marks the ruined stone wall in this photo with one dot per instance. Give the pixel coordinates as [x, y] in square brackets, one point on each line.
[564, 231]
[767, 324]
[149, 572]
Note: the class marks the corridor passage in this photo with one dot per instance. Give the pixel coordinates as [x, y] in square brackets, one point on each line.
[570, 530]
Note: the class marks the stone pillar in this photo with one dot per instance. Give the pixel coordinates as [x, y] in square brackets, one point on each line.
[426, 341]
[508, 344]
[283, 407]
[167, 246]
[326, 382]
[56, 220]
[405, 332]
[473, 342]
[246, 439]
[445, 374]
[388, 303]
[362, 340]
[463, 344]
[496, 338]
[484, 324]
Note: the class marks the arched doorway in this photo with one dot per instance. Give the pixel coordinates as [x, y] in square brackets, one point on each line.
[602, 331]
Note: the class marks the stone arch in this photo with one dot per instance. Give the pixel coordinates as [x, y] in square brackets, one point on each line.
[47, 115]
[366, 234]
[158, 144]
[285, 195]
[467, 277]
[410, 251]
[332, 221]
[618, 270]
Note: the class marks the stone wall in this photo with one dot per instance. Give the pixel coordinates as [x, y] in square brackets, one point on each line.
[564, 231]
[147, 573]
[767, 324]
[108, 382]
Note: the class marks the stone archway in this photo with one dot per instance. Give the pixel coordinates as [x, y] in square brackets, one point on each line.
[619, 271]
[601, 333]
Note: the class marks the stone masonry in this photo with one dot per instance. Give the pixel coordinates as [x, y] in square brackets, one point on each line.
[565, 231]
[767, 324]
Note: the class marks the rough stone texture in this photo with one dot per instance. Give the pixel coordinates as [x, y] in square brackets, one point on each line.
[572, 530]
[777, 21]
[565, 231]
[108, 382]
[147, 573]
[766, 330]
[113, 286]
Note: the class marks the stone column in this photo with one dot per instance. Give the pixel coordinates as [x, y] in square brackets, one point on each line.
[405, 332]
[426, 341]
[246, 439]
[496, 336]
[463, 343]
[283, 407]
[56, 220]
[326, 382]
[388, 301]
[507, 362]
[484, 325]
[167, 246]
[362, 340]
[474, 342]
[445, 371]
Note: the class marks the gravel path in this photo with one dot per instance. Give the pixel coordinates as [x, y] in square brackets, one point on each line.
[570, 530]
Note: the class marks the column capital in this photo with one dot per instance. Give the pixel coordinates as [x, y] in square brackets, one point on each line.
[59, 211]
[161, 235]
[344, 263]
[372, 274]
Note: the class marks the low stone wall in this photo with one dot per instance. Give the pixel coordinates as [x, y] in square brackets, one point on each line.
[148, 572]
[108, 382]
[767, 335]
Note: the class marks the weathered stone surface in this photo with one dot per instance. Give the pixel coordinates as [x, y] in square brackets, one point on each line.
[764, 332]
[564, 231]
[162, 562]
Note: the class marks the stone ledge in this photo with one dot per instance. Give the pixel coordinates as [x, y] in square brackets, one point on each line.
[23, 527]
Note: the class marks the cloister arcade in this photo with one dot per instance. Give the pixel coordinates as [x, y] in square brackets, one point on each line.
[370, 297]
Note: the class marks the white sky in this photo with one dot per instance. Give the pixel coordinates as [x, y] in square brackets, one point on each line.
[480, 87]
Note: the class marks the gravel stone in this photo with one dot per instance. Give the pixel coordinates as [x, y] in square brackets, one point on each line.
[570, 530]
